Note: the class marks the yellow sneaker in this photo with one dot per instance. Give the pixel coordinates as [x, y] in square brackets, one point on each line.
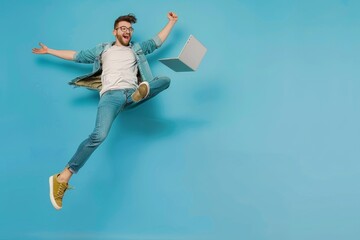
[57, 191]
[141, 92]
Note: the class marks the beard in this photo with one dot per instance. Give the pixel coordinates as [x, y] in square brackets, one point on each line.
[124, 42]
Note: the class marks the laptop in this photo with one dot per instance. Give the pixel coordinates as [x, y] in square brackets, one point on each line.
[189, 58]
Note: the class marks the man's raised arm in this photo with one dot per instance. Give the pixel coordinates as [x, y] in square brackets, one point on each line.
[163, 34]
[64, 54]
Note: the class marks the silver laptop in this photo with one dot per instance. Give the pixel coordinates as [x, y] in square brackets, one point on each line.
[189, 58]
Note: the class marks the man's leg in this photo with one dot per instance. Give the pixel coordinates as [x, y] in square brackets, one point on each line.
[157, 85]
[111, 103]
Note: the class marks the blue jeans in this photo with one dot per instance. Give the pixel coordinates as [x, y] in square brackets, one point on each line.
[110, 105]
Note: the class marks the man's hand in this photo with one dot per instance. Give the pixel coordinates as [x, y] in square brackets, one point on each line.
[172, 16]
[43, 50]
[64, 54]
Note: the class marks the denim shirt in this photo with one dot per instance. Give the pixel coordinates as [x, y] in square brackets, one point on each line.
[93, 55]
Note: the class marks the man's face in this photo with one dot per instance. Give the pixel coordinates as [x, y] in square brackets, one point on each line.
[123, 32]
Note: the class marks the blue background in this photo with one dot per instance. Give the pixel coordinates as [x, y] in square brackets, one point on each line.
[262, 142]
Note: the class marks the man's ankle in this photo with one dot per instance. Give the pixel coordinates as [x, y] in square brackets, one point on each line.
[64, 176]
[62, 179]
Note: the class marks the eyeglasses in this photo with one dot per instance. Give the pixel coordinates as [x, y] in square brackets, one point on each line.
[123, 29]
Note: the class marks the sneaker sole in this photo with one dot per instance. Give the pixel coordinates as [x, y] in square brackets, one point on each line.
[52, 199]
[148, 86]
[137, 97]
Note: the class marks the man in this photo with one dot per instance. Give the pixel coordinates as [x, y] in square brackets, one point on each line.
[122, 75]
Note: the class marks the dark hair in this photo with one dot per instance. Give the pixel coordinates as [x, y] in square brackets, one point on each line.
[127, 18]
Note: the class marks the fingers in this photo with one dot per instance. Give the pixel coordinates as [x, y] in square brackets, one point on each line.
[36, 50]
[39, 50]
[172, 15]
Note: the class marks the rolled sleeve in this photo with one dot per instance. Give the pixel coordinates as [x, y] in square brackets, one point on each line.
[151, 45]
[85, 56]
[157, 41]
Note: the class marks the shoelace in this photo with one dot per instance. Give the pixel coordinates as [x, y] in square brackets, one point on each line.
[62, 188]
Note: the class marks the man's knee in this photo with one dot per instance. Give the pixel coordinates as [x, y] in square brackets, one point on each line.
[165, 81]
[97, 138]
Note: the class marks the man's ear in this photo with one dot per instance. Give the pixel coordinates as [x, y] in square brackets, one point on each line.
[114, 32]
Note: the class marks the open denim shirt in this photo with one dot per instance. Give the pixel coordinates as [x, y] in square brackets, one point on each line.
[93, 55]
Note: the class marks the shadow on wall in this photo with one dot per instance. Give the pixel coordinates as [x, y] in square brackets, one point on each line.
[145, 120]
[64, 65]
[91, 97]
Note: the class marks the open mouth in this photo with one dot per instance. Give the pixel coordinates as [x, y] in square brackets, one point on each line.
[126, 37]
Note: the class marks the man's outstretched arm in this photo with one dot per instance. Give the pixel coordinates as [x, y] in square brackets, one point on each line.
[64, 54]
[164, 33]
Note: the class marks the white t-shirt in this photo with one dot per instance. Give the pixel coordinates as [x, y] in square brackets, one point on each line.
[119, 69]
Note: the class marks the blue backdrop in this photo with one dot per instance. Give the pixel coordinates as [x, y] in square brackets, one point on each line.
[262, 142]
